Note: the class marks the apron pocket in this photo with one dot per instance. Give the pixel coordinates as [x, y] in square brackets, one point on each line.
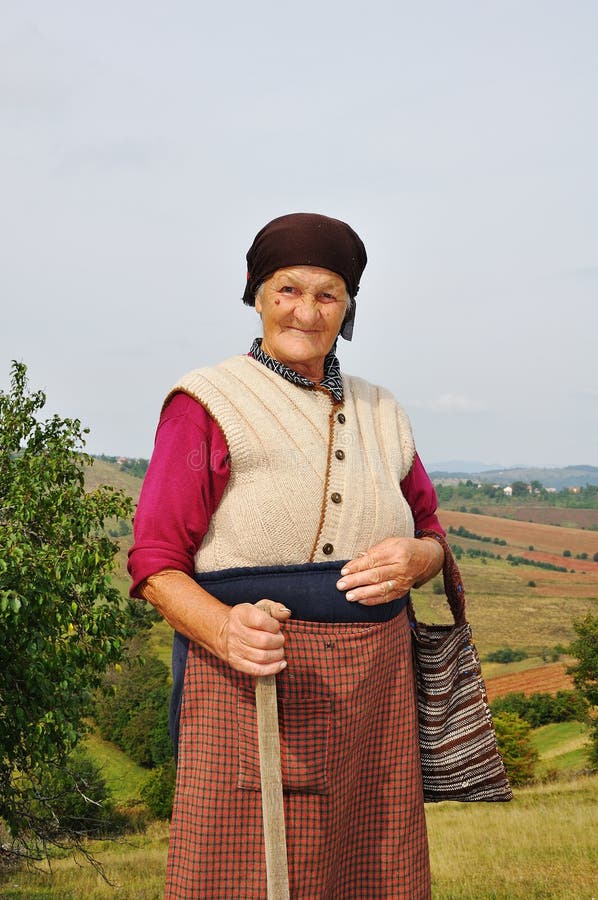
[304, 733]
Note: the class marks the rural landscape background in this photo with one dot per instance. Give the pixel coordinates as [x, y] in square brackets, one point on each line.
[530, 567]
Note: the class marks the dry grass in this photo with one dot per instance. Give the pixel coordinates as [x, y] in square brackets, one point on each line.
[504, 610]
[102, 472]
[541, 845]
[135, 867]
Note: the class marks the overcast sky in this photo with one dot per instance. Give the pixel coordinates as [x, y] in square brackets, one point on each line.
[143, 144]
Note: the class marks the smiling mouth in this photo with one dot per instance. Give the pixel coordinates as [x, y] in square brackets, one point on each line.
[301, 330]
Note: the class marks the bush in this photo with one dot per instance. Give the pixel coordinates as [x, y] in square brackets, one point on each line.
[506, 655]
[132, 708]
[158, 790]
[73, 798]
[541, 709]
[567, 553]
[515, 746]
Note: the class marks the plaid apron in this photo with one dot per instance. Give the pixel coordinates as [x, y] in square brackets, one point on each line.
[350, 761]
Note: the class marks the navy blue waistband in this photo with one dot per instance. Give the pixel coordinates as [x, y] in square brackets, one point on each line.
[308, 590]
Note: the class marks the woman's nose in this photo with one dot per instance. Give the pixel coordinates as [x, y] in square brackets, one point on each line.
[306, 309]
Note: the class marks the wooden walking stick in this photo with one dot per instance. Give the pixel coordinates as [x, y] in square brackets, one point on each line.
[271, 778]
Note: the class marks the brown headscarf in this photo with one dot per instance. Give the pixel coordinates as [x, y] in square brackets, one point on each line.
[307, 239]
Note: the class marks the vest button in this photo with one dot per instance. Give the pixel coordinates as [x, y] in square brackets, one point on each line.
[336, 497]
[327, 549]
[340, 454]
[341, 418]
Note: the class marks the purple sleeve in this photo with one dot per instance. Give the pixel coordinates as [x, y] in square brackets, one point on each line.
[420, 494]
[184, 483]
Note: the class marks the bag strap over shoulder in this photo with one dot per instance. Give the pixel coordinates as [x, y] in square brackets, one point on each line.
[453, 583]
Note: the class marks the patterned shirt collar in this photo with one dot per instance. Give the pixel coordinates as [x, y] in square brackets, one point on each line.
[332, 380]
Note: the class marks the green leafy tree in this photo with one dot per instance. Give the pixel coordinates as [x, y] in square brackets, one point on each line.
[515, 746]
[62, 623]
[585, 673]
[520, 489]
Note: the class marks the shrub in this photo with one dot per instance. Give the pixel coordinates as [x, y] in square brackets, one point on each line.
[132, 708]
[158, 790]
[506, 655]
[73, 798]
[516, 749]
[541, 709]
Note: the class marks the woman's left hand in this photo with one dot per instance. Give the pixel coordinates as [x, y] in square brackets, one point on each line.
[390, 569]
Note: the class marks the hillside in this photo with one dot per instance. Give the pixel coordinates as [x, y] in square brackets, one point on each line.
[559, 478]
[520, 536]
[520, 606]
[101, 472]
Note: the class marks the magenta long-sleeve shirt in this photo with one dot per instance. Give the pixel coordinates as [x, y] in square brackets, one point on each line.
[186, 478]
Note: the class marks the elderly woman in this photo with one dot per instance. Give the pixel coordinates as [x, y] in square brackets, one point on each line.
[275, 476]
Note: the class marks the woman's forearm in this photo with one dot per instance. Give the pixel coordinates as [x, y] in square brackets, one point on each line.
[246, 637]
[187, 607]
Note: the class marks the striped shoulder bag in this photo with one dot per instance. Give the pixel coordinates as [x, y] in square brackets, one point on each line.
[459, 756]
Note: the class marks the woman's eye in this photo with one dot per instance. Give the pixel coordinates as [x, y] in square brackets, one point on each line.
[327, 298]
[287, 289]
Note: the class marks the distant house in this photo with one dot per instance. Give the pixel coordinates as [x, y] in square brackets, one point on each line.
[508, 490]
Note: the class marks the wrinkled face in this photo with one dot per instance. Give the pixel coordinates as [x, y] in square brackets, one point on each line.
[302, 310]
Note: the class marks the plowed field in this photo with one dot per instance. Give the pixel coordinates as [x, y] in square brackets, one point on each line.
[569, 517]
[520, 535]
[543, 680]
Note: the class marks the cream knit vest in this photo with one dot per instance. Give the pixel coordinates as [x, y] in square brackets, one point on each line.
[310, 481]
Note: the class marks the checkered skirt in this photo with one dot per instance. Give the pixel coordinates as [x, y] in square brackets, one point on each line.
[351, 771]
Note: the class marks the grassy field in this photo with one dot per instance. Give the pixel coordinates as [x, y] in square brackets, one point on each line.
[542, 845]
[539, 846]
[563, 747]
[123, 777]
[503, 607]
[161, 642]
